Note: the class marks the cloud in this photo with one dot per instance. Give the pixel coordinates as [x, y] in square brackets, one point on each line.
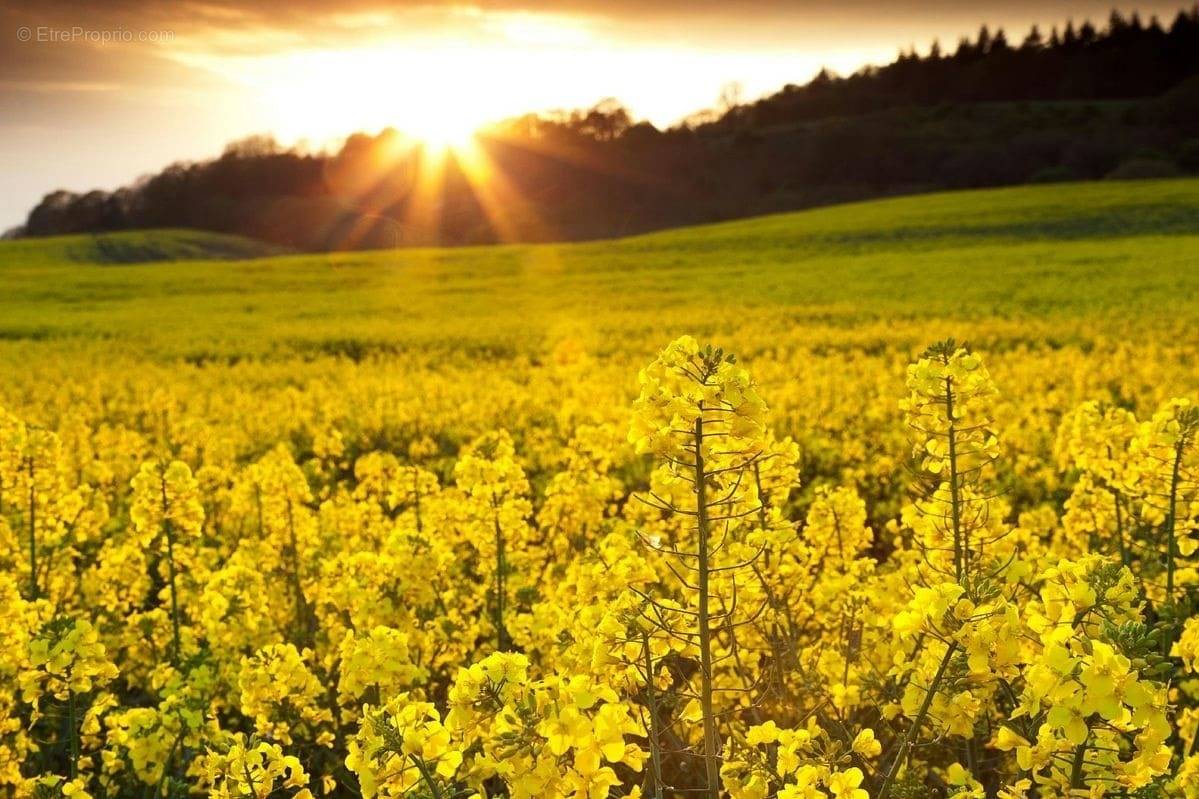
[215, 28]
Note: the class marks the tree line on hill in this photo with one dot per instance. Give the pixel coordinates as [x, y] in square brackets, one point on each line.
[1121, 101]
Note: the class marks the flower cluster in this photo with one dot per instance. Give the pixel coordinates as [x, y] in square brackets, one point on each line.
[447, 580]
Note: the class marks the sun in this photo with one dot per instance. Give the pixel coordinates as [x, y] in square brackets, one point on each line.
[323, 95]
[440, 130]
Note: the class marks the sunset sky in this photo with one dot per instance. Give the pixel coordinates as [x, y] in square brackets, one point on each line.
[179, 80]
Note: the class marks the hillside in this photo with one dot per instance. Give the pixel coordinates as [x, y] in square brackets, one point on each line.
[133, 247]
[1092, 254]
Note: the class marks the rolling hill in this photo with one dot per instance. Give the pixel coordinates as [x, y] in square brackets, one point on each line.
[133, 247]
[1094, 253]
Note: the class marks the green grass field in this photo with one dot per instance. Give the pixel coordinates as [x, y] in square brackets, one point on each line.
[133, 248]
[1103, 253]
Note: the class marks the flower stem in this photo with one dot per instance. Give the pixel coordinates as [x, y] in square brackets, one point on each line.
[959, 546]
[906, 744]
[33, 589]
[168, 532]
[73, 734]
[711, 744]
[501, 632]
[652, 698]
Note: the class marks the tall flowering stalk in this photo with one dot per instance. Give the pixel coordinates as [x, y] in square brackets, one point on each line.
[947, 412]
[66, 661]
[1095, 439]
[166, 509]
[1169, 478]
[948, 415]
[700, 415]
[497, 491]
[29, 473]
